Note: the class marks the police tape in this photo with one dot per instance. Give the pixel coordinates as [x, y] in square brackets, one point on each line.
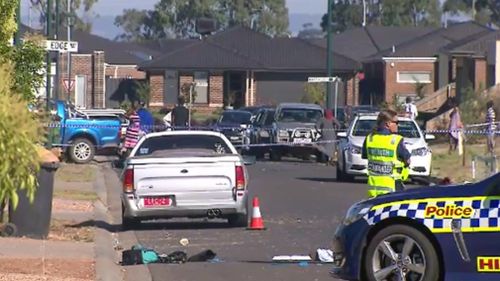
[159, 128]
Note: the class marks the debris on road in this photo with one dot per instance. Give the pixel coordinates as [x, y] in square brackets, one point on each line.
[184, 242]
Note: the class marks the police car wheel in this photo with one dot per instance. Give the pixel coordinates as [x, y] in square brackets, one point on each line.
[400, 252]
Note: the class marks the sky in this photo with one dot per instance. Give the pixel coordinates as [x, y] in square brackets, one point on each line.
[115, 7]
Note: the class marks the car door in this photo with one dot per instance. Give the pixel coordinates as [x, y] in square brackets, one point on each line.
[485, 244]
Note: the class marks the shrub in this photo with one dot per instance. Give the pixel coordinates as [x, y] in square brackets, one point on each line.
[314, 93]
[19, 137]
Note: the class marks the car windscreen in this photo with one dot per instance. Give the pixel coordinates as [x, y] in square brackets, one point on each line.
[302, 115]
[406, 129]
[185, 145]
[235, 117]
[269, 118]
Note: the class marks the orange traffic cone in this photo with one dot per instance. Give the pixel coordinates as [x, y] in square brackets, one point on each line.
[256, 223]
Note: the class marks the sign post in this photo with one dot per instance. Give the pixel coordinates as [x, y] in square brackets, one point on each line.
[328, 80]
[61, 46]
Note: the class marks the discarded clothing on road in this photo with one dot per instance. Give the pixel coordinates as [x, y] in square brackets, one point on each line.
[141, 255]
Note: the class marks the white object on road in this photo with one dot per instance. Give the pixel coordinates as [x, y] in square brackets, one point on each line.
[325, 255]
[184, 242]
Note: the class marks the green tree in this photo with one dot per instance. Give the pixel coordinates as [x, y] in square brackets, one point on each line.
[82, 20]
[349, 13]
[26, 58]
[485, 11]
[177, 18]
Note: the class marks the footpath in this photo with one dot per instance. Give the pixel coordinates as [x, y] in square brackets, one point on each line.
[83, 240]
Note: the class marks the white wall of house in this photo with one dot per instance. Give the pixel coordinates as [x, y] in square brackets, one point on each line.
[41, 92]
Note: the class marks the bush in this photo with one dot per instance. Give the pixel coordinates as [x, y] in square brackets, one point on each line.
[314, 93]
[19, 137]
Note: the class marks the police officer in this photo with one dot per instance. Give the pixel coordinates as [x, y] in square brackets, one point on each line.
[387, 156]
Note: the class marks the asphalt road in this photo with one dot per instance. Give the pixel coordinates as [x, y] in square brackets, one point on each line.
[301, 204]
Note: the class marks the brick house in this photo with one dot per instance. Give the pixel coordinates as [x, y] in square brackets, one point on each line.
[242, 67]
[430, 63]
[359, 43]
[103, 71]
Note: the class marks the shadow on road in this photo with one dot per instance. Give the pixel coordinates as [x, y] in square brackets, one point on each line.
[159, 225]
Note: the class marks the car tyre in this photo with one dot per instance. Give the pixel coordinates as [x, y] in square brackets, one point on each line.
[81, 151]
[238, 220]
[401, 249]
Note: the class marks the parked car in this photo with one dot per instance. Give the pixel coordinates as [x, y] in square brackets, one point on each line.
[260, 131]
[234, 124]
[351, 164]
[185, 174]
[294, 130]
[80, 134]
[254, 110]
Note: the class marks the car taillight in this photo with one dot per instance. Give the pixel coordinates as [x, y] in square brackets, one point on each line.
[128, 180]
[240, 177]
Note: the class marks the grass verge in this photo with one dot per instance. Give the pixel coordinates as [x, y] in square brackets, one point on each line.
[75, 173]
[76, 195]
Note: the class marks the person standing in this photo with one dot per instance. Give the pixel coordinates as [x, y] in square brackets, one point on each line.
[327, 126]
[388, 158]
[492, 126]
[180, 114]
[133, 133]
[147, 120]
[455, 125]
[410, 108]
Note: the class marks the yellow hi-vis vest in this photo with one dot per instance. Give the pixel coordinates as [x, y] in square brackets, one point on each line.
[384, 168]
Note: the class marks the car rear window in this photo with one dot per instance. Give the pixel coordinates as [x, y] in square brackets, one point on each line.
[407, 129]
[185, 144]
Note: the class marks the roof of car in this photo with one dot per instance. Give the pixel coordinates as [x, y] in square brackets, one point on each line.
[299, 105]
[373, 116]
[236, 111]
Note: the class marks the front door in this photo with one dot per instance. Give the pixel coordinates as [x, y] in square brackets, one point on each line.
[81, 91]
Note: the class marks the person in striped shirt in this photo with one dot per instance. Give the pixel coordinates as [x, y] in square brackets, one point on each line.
[491, 127]
[133, 132]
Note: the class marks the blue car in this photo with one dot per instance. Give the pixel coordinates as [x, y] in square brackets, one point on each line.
[449, 233]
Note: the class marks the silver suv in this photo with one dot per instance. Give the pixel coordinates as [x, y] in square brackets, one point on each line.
[294, 130]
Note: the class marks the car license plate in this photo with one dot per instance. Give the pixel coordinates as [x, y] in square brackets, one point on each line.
[302, 140]
[157, 201]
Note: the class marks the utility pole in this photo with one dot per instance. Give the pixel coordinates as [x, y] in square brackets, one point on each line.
[473, 9]
[329, 56]
[58, 71]
[69, 23]
[48, 63]
[364, 13]
[17, 36]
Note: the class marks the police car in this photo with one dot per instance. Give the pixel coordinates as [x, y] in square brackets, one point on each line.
[449, 233]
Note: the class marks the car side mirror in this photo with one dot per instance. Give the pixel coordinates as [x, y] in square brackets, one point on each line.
[342, 134]
[430, 137]
[249, 159]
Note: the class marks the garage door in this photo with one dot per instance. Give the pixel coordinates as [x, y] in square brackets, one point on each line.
[274, 88]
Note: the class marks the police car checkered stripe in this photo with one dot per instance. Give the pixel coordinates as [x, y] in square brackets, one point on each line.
[485, 216]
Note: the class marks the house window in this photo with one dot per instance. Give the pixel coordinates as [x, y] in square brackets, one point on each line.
[414, 77]
[201, 80]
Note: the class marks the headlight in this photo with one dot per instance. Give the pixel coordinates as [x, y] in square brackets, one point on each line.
[422, 151]
[307, 135]
[283, 133]
[354, 149]
[297, 134]
[356, 212]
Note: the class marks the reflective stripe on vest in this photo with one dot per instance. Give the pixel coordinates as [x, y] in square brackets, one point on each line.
[384, 168]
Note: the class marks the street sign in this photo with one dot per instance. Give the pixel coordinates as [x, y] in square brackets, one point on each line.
[69, 84]
[321, 79]
[61, 46]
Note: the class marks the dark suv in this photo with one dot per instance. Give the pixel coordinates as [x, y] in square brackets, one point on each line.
[261, 130]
